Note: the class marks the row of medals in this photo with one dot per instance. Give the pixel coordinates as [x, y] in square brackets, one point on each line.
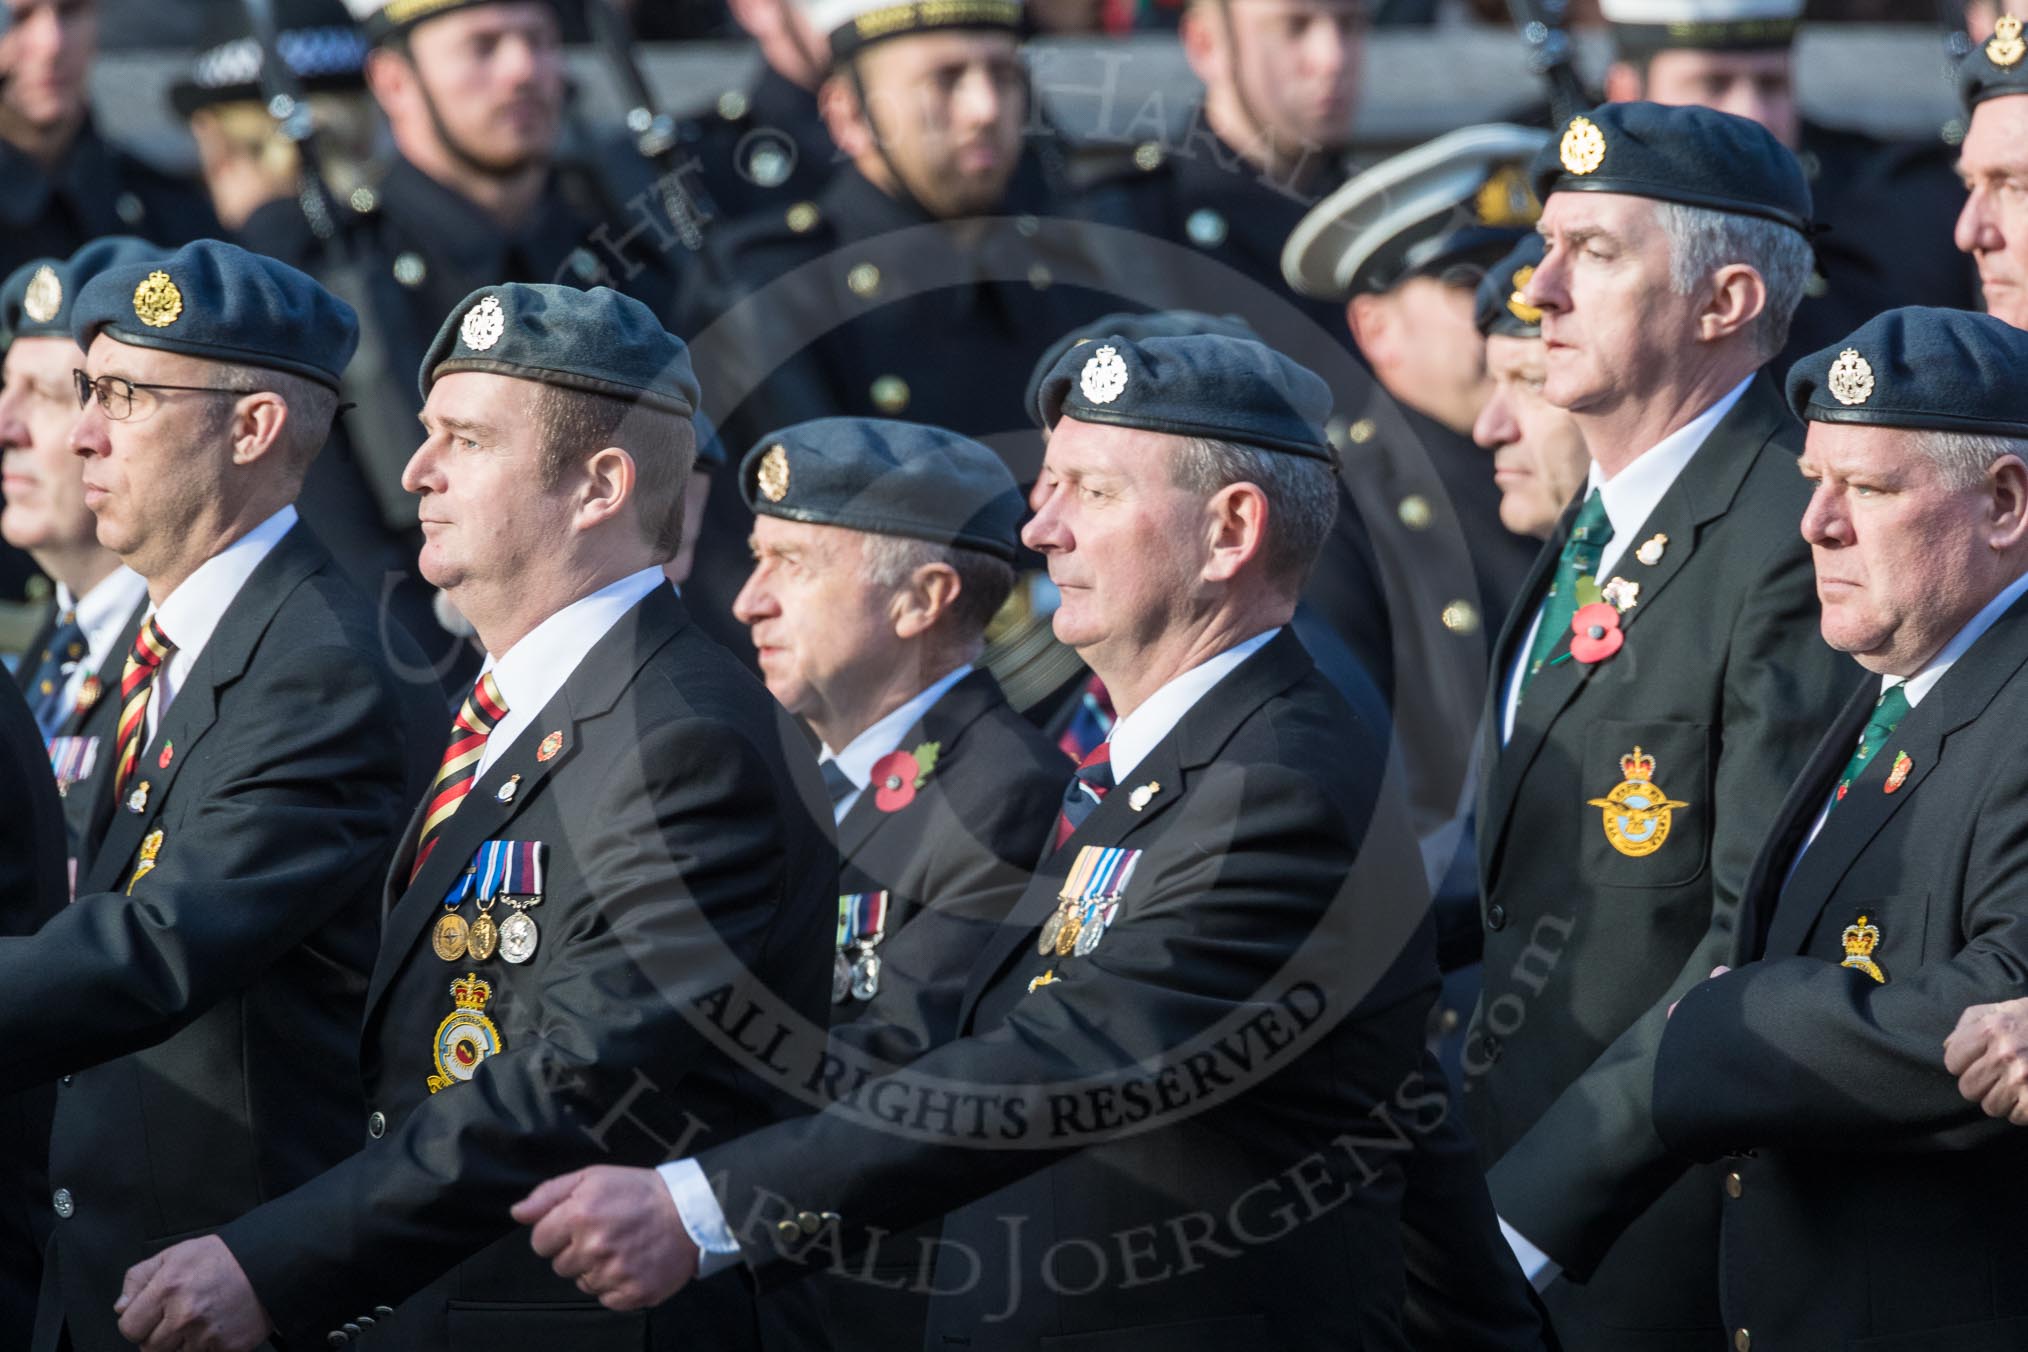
[1065, 932]
[857, 978]
[515, 939]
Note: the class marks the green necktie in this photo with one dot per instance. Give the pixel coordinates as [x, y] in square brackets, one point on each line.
[1588, 537]
[1879, 727]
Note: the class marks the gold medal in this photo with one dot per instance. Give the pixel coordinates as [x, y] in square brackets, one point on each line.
[1066, 938]
[449, 937]
[483, 938]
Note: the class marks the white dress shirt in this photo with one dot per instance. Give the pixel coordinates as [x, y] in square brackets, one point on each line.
[531, 672]
[189, 616]
[856, 760]
[102, 613]
[1630, 498]
[1132, 738]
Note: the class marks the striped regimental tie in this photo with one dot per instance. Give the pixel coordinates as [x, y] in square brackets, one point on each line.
[137, 683]
[460, 768]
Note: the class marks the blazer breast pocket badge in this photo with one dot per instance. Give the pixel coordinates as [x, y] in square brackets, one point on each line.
[1861, 940]
[1636, 812]
[466, 1036]
[1088, 901]
[72, 759]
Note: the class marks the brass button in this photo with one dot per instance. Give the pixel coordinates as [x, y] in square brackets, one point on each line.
[1448, 1021]
[1414, 510]
[1734, 1184]
[1742, 1341]
[376, 1125]
[864, 279]
[383, 1311]
[1148, 155]
[788, 1230]
[1205, 228]
[809, 1221]
[1461, 617]
[802, 217]
[409, 269]
[336, 1338]
[732, 105]
[1362, 431]
[832, 1218]
[1040, 277]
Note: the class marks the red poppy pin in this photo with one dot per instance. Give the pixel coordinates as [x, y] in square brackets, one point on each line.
[898, 774]
[168, 754]
[1595, 632]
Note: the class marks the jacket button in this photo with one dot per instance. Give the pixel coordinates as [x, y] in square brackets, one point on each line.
[1490, 1046]
[1496, 916]
[376, 1124]
[352, 1330]
[1734, 1185]
[336, 1338]
[832, 1218]
[61, 1200]
[788, 1229]
[382, 1311]
[810, 1222]
[1742, 1341]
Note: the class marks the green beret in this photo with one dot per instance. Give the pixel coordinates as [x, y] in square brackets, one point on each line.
[890, 478]
[1697, 156]
[1917, 367]
[1201, 385]
[598, 341]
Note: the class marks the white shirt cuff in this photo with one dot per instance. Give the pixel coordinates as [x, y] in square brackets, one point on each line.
[703, 1218]
[1538, 1267]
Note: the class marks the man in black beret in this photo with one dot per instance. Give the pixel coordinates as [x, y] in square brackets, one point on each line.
[881, 550]
[207, 979]
[1155, 1127]
[1993, 162]
[1892, 888]
[614, 865]
[1885, 205]
[1653, 691]
[1539, 459]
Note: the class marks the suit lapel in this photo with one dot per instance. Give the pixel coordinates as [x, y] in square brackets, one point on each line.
[195, 707]
[1701, 494]
[1194, 742]
[1959, 698]
[591, 690]
[944, 723]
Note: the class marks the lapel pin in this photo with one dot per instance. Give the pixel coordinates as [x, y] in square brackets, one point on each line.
[168, 754]
[1048, 978]
[1623, 594]
[137, 801]
[506, 793]
[88, 694]
[550, 746]
[1142, 796]
[1899, 775]
[1650, 552]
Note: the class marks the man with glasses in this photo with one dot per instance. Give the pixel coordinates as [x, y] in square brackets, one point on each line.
[208, 980]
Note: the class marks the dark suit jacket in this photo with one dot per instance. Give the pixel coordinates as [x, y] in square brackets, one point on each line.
[1873, 1206]
[1181, 1120]
[98, 719]
[683, 884]
[202, 1013]
[33, 882]
[1725, 682]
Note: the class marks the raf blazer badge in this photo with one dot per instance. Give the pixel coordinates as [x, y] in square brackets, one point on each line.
[1636, 813]
[1861, 939]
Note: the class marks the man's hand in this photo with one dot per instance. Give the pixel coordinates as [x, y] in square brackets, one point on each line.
[191, 1297]
[615, 1231]
[1988, 1052]
[1716, 972]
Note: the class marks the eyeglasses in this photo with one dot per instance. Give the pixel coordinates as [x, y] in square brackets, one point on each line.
[116, 394]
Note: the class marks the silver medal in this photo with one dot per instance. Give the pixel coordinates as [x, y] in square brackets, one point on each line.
[518, 937]
[866, 976]
[841, 980]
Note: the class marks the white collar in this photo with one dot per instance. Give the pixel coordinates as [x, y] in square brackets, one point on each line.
[189, 615]
[1933, 671]
[1139, 732]
[1631, 496]
[857, 759]
[104, 611]
[531, 672]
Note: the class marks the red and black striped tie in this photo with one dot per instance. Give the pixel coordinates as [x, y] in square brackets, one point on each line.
[137, 682]
[475, 722]
[1088, 788]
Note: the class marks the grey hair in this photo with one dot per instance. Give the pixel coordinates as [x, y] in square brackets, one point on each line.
[1701, 241]
[1302, 497]
[984, 581]
[313, 408]
[1964, 457]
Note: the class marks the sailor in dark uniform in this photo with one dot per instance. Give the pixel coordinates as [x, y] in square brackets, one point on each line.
[763, 147]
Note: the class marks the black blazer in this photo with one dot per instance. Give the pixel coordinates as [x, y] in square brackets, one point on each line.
[100, 719]
[1873, 1206]
[1725, 682]
[202, 1011]
[684, 884]
[1255, 1010]
[34, 883]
